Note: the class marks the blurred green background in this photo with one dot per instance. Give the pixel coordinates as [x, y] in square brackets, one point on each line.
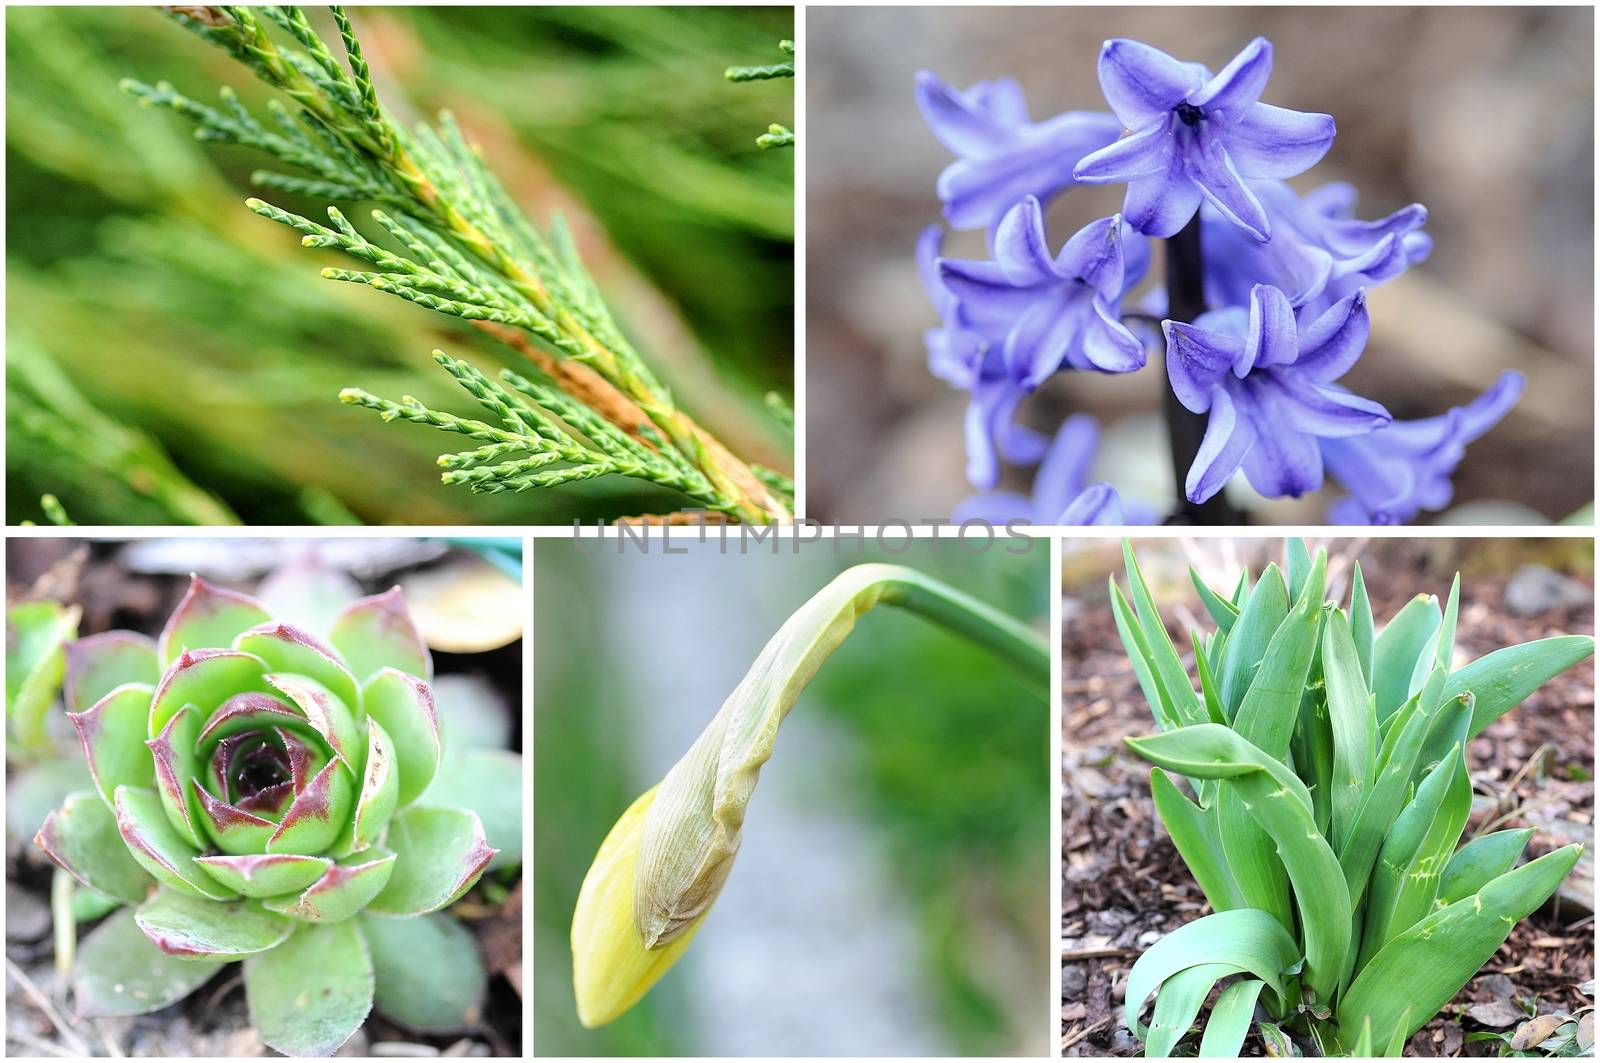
[891, 896]
[173, 358]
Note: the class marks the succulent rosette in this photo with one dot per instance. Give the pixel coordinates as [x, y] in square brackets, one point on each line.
[260, 793]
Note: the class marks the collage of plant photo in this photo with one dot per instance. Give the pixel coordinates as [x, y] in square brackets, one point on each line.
[927, 531]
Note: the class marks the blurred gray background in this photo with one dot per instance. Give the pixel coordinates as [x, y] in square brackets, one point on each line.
[1484, 115]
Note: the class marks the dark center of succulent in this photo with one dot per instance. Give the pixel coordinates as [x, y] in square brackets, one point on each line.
[260, 769]
[1189, 114]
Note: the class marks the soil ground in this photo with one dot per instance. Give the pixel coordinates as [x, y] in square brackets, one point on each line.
[1124, 885]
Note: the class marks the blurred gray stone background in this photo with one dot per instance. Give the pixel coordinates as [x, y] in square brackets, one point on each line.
[1485, 115]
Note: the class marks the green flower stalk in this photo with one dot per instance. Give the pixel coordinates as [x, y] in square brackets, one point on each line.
[1327, 795]
[665, 861]
[261, 794]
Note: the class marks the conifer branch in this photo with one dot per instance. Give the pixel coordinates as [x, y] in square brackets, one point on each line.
[468, 252]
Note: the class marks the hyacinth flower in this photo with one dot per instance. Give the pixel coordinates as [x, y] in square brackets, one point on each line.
[665, 861]
[1061, 493]
[262, 794]
[1053, 311]
[1194, 136]
[1319, 252]
[1401, 470]
[1002, 155]
[1265, 383]
[973, 361]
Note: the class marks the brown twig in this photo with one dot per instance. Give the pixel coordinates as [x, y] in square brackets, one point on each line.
[1068, 1040]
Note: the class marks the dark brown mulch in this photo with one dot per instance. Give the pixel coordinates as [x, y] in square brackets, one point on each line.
[1124, 885]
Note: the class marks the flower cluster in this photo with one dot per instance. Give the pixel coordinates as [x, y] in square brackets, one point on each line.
[1284, 278]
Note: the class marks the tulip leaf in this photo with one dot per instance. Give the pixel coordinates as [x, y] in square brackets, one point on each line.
[1361, 624]
[404, 705]
[1419, 971]
[1229, 1023]
[181, 925]
[376, 633]
[441, 852]
[35, 664]
[119, 972]
[99, 664]
[308, 995]
[1246, 938]
[209, 616]
[1222, 611]
[112, 732]
[346, 888]
[1263, 611]
[159, 848]
[1503, 679]
[82, 837]
[1397, 649]
[1186, 707]
[1480, 861]
[1139, 657]
[488, 782]
[1353, 725]
[444, 995]
[264, 874]
[1178, 1003]
[1197, 836]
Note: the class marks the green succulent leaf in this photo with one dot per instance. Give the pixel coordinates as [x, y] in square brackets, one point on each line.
[288, 650]
[441, 853]
[181, 925]
[119, 972]
[35, 664]
[344, 889]
[308, 995]
[264, 874]
[99, 664]
[319, 813]
[81, 836]
[329, 715]
[159, 848]
[404, 705]
[176, 770]
[204, 679]
[489, 783]
[380, 789]
[378, 632]
[35, 790]
[446, 994]
[112, 731]
[1419, 971]
[209, 616]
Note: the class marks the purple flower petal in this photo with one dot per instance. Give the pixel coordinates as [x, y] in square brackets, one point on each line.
[1273, 337]
[1276, 142]
[1093, 254]
[1045, 335]
[957, 121]
[1065, 466]
[1148, 151]
[1141, 83]
[990, 302]
[1214, 172]
[1228, 439]
[1020, 248]
[994, 507]
[1108, 345]
[1161, 204]
[1381, 489]
[929, 242]
[1197, 360]
[1333, 343]
[1326, 412]
[1099, 504]
[1238, 85]
[1284, 462]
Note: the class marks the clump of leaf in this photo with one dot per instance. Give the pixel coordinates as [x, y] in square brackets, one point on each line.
[266, 794]
[590, 404]
[1316, 786]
